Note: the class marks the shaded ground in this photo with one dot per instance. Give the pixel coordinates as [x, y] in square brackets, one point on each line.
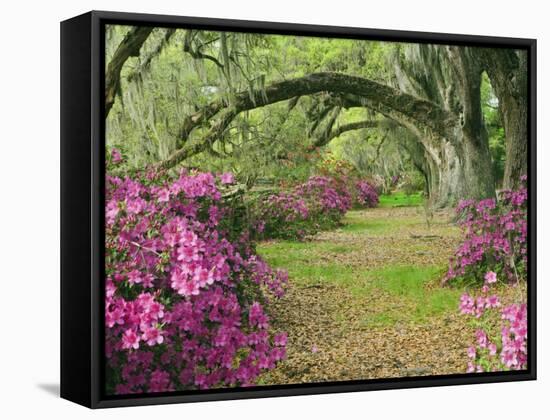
[365, 301]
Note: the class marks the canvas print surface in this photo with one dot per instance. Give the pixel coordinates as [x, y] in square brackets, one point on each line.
[292, 210]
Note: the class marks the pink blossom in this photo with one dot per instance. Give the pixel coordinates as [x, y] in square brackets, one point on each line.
[366, 194]
[482, 340]
[184, 271]
[163, 195]
[280, 339]
[130, 339]
[116, 157]
[495, 238]
[134, 277]
[152, 336]
[491, 277]
[227, 178]
[492, 301]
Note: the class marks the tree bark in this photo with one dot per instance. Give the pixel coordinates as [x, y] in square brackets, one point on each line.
[451, 77]
[129, 47]
[473, 148]
[452, 164]
[507, 70]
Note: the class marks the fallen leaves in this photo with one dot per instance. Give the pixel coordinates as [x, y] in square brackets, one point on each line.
[337, 335]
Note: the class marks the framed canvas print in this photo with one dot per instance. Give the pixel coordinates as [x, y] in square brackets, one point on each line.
[255, 209]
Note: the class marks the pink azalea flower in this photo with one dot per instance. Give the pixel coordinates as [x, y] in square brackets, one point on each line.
[482, 339]
[163, 195]
[152, 336]
[111, 211]
[134, 277]
[148, 280]
[130, 340]
[491, 277]
[280, 339]
[116, 157]
[509, 359]
[114, 317]
[492, 301]
[314, 349]
[227, 178]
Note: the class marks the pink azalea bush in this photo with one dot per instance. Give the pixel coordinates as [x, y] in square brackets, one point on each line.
[319, 203]
[499, 348]
[184, 293]
[327, 196]
[283, 215]
[366, 194]
[495, 238]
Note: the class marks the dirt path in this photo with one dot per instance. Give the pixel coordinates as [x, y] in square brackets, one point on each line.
[364, 300]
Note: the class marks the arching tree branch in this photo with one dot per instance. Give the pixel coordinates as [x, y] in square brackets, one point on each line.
[129, 47]
[388, 101]
[338, 131]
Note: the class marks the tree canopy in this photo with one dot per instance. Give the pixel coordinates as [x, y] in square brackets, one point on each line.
[456, 116]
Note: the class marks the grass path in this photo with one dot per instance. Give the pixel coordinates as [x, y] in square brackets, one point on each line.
[364, 300]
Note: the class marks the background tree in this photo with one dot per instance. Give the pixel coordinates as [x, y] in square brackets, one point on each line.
[248, 102]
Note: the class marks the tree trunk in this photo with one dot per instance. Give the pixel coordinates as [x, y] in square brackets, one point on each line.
[448, 179]
[507, 70]
[515, 127]
[462, 160]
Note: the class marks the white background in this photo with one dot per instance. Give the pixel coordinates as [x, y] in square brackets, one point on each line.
[29, 206]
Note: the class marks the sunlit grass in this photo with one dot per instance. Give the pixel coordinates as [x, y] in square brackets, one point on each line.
[415, 291]
[400, 199]
[355, 222]
[299, 256]
[396, 294]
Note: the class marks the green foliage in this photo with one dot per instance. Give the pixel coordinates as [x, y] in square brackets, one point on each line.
[495, 129]
[165, 84]
[401, 199]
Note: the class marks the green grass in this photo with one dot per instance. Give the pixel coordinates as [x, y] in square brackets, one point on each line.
[416, 292]
[407, 281]
[355, 222]
[403, 294]
[400, 199]
[299, 257]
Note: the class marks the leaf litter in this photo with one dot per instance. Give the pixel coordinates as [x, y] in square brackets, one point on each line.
[361, 329]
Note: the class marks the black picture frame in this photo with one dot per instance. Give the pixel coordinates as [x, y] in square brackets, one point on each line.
[82, 204]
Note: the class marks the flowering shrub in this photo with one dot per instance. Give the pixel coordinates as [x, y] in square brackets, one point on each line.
[326, 196]
[494, 351]
[495, 237]
[317, 204]
[184, 294]
[282, 215]
[366, 194]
